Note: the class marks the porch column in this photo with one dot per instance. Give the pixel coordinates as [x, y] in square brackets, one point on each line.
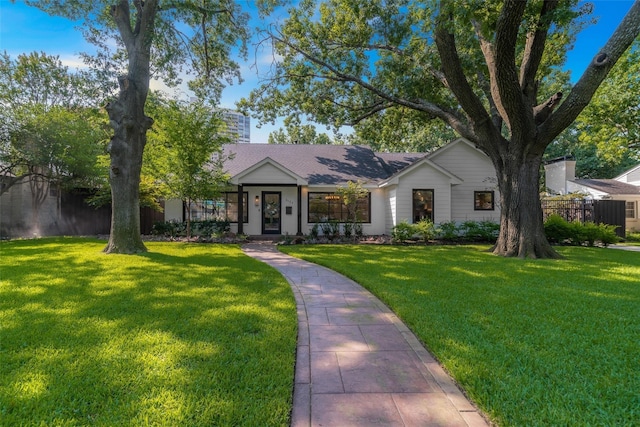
[240, 210]
[299, 233]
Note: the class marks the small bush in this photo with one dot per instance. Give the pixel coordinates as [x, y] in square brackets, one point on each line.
[348, 229]
[590, 233]
[315, 231]
[425, 229]
[608, 234]
[402, 232]
[557, 229]
[448, 230]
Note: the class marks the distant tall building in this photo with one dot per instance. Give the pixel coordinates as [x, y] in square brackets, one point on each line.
[238, 126]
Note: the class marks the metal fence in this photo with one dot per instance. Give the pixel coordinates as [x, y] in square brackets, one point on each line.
[599, 211]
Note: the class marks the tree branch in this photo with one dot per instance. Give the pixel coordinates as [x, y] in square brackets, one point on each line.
[455, 77]
[121, 16]
[506, 80]
[596, 72]
[446, 115]
[533, 50]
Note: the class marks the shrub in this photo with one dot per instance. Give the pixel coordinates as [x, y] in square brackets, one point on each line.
[206, 228]
[425, 229]
[633, 236]
[590, 233]
[483, 231]
[402, 231]
[576, 233]
[314, 231]
[608, 234]
[557, 229]
[348, 229]
[448, 230]
[330, 229]
[489, 230]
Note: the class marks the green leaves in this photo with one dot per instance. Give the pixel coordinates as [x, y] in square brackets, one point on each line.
[183, 149]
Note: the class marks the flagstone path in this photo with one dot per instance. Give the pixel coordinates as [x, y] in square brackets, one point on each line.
[357, 364]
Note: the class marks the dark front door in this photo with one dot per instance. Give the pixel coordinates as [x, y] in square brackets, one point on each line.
[271, 215]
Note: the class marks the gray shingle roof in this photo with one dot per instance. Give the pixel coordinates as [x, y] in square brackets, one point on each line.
[610, 186]
[321, 164]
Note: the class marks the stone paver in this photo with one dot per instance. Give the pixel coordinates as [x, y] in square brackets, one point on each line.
[357, 364]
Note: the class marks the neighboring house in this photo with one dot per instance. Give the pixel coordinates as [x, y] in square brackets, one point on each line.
[560, 179]
[286, 189]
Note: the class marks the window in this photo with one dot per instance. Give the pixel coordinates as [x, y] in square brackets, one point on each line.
[630, 210]
[422, 205]
[223, 208]
[483, 201]
[325, 207]
[227, 207]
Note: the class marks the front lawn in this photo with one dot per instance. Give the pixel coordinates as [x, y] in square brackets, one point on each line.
[532, 342]
[185, 335]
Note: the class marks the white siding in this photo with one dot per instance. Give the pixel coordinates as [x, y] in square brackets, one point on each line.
[424, 177]
[477, 173]
[173, 210]
[391, 209]
[378, 213]
[267, 174]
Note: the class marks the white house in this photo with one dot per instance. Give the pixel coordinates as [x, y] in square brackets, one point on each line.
[560, 179]
[286, 189]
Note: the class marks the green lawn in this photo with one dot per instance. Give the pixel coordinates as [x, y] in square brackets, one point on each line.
[185, 335]
[532, 342]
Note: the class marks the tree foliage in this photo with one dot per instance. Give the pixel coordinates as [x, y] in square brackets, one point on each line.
[479, 67]
[49, 132]
[297, 133]
[185, 152]
[605, 138]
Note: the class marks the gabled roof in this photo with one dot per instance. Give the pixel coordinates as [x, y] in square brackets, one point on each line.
[452, 144]
[235, 179]
[609, 186]
[395, 162]
[628, 172]
[424, 161]
[315, 164]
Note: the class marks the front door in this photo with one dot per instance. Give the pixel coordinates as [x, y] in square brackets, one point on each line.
[271, 218]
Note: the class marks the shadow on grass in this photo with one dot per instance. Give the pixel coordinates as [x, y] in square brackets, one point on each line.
[182, 335]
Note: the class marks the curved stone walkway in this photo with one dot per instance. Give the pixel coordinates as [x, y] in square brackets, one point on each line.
[357, 364]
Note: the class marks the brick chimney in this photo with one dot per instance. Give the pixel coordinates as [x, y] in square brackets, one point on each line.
[557, 172]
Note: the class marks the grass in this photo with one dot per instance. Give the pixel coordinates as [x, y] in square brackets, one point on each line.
[192, 335]
[532, 342]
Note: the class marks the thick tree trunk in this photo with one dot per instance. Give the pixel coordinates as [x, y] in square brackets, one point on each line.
[521, 225]
[130, 126]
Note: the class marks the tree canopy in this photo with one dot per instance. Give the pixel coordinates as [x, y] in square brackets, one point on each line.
[49, 130]
[480, 67]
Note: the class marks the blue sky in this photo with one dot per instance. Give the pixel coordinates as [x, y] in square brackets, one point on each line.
[26, 29]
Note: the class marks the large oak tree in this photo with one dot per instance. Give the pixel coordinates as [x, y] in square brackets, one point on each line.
[478, 66]
[160, 39]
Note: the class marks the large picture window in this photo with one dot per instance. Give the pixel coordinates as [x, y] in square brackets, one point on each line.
[227, 207]
[223, 208]
[422, 205]
[325, 207]
[483, 201]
